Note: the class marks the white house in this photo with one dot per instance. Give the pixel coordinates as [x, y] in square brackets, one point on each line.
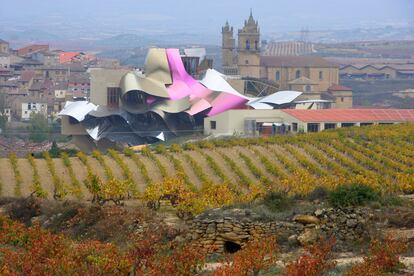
[29, 108]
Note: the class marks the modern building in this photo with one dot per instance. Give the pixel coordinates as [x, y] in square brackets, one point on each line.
[161, 102]
[265, 122]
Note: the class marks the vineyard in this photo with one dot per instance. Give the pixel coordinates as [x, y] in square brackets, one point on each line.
[213, 173]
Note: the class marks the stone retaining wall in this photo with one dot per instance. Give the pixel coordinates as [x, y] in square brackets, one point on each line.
[234, 228]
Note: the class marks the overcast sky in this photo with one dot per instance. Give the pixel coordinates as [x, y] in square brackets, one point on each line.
[209, 15]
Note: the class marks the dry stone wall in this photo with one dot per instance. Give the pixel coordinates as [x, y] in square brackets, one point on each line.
[229, 230]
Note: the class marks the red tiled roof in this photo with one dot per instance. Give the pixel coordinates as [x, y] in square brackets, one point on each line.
[27, 76]
[337, 87]
[31, 49]
[352, 115]
[67, 56]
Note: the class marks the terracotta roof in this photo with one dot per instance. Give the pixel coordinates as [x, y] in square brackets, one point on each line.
[67, 56]
[27, 76]
[295, 61]
[352, 115]
[337, 87]
[31, 49]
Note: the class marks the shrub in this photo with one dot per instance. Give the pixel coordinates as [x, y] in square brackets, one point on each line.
[160, 149]
[175, 148]
[255, 257]
[383, 257]
[189, 146]
[276, 201]
[316, 261]
[352, 195]
[319, 193]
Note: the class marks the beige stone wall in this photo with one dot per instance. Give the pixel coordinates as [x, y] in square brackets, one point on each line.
[330, 76]
[288, 74]
[249, 64]
[343, 99]
[72, 129]
[101, 79]
[232, 122]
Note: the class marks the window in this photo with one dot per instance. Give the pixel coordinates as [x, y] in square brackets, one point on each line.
[213, 124]
[342, 99]
[347, 124]
[247, 62]
[308, 88]
[295, 127]
[247, 45]
[330, 126]
[277, 75]
[297, 74]
[113, 96]
[320, 75]
[256, 45]
[313, 127]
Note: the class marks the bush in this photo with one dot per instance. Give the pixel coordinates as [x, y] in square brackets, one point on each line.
[352, 195]
[316, 261]
[276, 201]
[320, 193]
[383, 258]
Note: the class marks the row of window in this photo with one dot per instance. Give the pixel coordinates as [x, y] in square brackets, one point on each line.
[298, 74]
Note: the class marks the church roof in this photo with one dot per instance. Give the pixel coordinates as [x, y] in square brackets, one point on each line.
[295, 61]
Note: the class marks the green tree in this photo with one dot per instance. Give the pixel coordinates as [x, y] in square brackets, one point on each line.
[39, 128]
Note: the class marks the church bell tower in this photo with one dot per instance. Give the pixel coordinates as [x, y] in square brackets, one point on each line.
[249, 48]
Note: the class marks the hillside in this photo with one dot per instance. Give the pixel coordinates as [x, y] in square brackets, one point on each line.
[381, 157]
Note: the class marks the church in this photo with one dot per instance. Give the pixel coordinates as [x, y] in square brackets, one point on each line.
[316, 77]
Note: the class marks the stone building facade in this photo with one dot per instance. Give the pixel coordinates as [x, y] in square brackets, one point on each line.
[311, 75]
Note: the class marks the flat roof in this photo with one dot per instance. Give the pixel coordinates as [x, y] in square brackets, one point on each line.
[352, 115]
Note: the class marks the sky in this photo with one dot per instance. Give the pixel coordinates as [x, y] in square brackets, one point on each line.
[194, 16]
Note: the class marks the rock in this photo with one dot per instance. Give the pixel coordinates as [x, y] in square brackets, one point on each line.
[351, 223]
[293, 240]
[309, 236]
[306, 219]
[319, 212]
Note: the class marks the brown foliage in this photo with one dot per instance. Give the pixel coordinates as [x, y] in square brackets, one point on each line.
[314, 262]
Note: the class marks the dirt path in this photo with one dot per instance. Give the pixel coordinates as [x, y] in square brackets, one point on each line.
[256, 162]
[167, 164]
[7, 178]
[113, 165]
[153, 171]
[96, 167]
[268, 154]
[233, 154]
[26, 172]
[223, 166]
[136, 174]
[189, 170]
[201, 161]
[80, 172]
[45, 177]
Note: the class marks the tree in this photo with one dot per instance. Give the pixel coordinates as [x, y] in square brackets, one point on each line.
[39, 128]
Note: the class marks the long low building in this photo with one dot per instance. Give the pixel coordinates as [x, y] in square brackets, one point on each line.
[278, 121]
